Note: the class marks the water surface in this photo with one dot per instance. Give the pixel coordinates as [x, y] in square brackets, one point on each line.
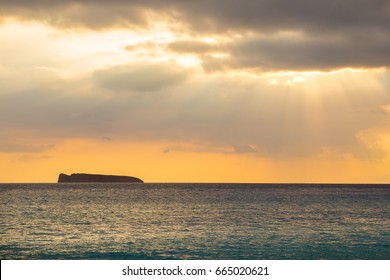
[194, 221]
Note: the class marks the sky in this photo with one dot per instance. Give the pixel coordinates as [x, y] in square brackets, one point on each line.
[196, 91]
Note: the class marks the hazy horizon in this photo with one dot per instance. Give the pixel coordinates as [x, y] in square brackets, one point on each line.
[196, 91]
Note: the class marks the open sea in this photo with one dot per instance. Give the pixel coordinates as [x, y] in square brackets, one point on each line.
[194, 221]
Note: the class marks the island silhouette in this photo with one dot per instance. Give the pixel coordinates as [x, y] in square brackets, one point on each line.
[96, 178]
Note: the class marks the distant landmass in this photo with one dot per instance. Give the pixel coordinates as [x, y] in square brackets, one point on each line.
[96, 178]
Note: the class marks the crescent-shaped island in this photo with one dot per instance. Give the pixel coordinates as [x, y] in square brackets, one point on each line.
[96, 178]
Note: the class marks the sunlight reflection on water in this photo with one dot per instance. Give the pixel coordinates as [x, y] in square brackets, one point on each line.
[194, 221]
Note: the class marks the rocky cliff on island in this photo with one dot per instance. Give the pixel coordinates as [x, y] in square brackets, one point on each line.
[96, 178]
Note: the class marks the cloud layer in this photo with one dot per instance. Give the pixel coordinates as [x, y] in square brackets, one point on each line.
[139, 78]
[254, 95]
[267, 15]
[326, 34]
[242, 114]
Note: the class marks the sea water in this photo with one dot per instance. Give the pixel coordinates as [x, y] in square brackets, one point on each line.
[194, 221]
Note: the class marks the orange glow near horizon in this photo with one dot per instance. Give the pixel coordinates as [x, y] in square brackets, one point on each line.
[128, 83]
[151, 163]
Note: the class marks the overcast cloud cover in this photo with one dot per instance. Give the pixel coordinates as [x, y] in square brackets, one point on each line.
[254, 111]
[318, 34]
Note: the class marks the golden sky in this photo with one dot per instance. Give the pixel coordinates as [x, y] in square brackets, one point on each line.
[196, 91]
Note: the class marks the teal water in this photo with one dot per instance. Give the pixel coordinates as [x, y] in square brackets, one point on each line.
[194, 221]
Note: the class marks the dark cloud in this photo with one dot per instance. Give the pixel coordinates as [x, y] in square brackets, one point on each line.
[195, 47]
[334, 34]
[139, 78]
[306, 53]
[292, 52]
[223, 14]
[274, 15]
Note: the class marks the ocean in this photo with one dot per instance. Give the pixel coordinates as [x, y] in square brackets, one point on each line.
[194, 221]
